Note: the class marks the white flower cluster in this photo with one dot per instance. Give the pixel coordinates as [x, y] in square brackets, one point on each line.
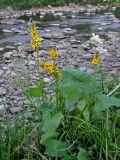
[97, 42]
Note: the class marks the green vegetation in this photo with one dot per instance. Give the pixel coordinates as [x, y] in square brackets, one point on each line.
[117, 12]
[23, 4]
[86, 125]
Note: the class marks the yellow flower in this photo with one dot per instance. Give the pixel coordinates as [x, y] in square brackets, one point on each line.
[52, 69]
[33, 45]
[96, 59]
[48, 67]
[54, 54]
[35, 40]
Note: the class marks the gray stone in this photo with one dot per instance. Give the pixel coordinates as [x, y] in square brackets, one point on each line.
[31, 62]
[87, 56]
[55, 25]
[7, 31]
[20, 104]
[58, 35]
[1, 73]
[14, 110]
[46, 80]
[7, 55]
[2, 107]
[5, 68]
[1, 49]
[2, 91]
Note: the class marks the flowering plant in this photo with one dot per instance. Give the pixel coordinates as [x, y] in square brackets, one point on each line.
[98, 48]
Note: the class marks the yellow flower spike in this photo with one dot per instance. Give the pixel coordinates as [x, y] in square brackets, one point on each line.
[35, 40]
[33, 45]
[48, 67]
[54, 54]
[96, 59]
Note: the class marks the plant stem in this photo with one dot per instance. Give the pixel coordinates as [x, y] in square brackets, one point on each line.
[107, 118]
[37, 63]
[57, 94]
[95, 71]
[38, 70]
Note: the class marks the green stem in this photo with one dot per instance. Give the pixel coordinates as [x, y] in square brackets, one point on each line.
[57, 94]
[107, 119]
[37, 63]
[95, 71]
[38, 70]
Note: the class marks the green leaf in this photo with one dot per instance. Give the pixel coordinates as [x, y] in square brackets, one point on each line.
[46, 107]
[75, 85]
[37, 90]
[104, 102]
[83, 155]
[83, 106]
[68, 157]
[55, 148]
[71, 94]
[51, 122]
[34, 92]
[47, 136]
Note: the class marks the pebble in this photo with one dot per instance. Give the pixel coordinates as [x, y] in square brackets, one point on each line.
[1, 73]
[7, 31]
[2, 106]
[1, 49]
[14, 110]
[7, 55]
[2, 91]
[46, 80]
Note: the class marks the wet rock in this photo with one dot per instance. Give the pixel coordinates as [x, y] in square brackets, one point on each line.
[10, 47]
[15, 30]
[29, 13]
[58, 35]
[7, 55]
[47, 35]
[41, 17]
[42, 13]
[1, 49]
[55, 25]
[7, 31]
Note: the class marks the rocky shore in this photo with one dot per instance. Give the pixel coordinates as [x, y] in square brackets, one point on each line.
[17, 59]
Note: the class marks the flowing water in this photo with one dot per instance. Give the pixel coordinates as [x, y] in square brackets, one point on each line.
[80, 27]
